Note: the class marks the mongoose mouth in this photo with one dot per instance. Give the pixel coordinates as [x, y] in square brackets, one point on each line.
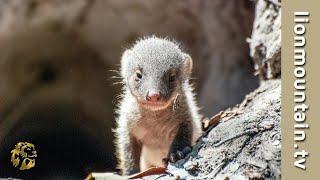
[156, 106]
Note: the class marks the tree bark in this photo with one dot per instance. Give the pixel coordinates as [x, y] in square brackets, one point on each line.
[265, 42]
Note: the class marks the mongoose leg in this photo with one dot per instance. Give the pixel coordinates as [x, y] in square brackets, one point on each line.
[180, 146]
[144, 163]
[129, 152]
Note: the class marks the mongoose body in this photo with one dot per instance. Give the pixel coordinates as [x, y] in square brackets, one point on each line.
[158, 115]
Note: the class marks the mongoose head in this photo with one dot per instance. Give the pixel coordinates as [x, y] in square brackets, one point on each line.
[154, 70]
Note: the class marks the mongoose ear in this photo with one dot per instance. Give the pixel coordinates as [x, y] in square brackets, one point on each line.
[187, 65]
[124, 62]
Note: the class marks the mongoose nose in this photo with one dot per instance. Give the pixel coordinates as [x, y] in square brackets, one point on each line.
[153, 96]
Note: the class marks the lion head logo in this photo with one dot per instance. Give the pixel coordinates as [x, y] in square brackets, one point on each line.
[23, 155]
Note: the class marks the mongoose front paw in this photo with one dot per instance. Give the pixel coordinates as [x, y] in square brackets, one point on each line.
[176, 156]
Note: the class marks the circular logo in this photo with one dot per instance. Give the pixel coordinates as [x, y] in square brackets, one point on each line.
[23, 155]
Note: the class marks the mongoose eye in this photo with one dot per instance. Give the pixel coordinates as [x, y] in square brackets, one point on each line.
[172, 78]
[138, 73]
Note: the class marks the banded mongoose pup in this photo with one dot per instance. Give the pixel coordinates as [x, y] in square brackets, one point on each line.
[158, 116]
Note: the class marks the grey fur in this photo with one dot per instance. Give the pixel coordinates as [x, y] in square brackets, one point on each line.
[147, 134]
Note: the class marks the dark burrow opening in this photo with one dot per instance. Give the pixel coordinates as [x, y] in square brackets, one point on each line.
[65, 150]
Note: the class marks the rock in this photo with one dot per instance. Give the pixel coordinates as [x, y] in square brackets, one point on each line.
[265, 42]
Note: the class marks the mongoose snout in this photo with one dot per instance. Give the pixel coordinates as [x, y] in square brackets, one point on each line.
[153, 96]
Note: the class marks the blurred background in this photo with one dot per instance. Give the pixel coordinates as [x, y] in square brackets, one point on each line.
[56, 62]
